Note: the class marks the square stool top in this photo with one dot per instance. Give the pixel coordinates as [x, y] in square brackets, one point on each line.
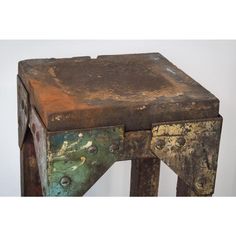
[134, 90]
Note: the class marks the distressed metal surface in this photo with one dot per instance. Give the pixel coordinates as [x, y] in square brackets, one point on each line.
[22, 106]
[30, 181]
[71, 162]
[39, 133]
[183, 190]
[190, 149]
[77, 159]
[133, 90]
[145, 177]
[137, 145]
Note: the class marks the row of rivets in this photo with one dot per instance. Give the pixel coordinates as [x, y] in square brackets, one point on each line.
[160, 143]
[113, 148]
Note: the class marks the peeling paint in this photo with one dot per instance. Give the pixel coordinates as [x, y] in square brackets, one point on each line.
[83, 159]
[87, 145]
[70, 157]
[142, 108]
[191, 150]
[74, 168]
[170, 70]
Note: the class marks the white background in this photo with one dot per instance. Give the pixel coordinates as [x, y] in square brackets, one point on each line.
[125, 19]
[211, 63]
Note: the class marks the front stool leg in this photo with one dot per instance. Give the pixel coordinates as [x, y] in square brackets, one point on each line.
[30, 181]
[145, 177]
[183, 190]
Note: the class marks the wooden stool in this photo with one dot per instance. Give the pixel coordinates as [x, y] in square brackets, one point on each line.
[78, 116]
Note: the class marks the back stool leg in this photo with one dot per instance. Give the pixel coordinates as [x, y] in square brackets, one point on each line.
[145, 177]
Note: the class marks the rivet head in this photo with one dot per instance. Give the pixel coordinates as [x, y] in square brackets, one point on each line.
[160, 143]
[113, 148]
[180, 142]
[65, 181]
[200, 183]
[92, 149]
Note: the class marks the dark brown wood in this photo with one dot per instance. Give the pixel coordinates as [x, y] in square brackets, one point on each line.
[30, 182]
[144, 177]
[133, 90]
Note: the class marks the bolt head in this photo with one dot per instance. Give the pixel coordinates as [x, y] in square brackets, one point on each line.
[200, 183]
[65, 181]
[180, 142]
[114, 148]
[92, 149]
[160, 143]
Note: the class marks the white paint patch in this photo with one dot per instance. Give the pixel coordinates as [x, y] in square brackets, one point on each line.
[179, 94]
[74, 168]
[57, 117]
[87, 145]
[63, 148]
[142, 108]
[170, 70]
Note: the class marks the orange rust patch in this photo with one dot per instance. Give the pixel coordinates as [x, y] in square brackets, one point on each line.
[51, 99]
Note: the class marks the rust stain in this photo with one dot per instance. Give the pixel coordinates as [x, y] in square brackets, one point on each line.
[52, 99]
[104, 91]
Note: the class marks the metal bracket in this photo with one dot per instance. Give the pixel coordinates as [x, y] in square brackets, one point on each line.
[23, 114]
[70, 162]
[190, 149]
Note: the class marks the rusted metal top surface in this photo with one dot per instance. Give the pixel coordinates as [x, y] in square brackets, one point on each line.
[134, 90]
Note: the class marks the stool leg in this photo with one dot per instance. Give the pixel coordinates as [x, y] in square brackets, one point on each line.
[30, 182]
[183, 190]
[145, 177]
